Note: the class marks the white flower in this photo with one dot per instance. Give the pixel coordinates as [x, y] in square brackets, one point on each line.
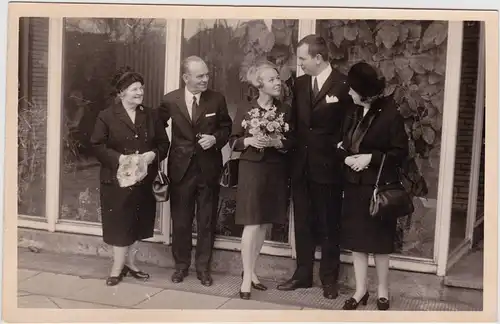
[244, 123]
[254, 123]
[286, 127]
[270, 127]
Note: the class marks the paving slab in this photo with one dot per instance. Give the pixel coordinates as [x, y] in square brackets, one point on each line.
[52, 284]
[174, 299]
[75, 304]
[23, 274]
[35, 301]
[122, 295]
[255, 304]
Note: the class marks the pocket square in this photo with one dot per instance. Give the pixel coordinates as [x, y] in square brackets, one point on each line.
[210, 115]
[331, 99]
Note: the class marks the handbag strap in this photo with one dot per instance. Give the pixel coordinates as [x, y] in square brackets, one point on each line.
[380, 171]
[231, 149]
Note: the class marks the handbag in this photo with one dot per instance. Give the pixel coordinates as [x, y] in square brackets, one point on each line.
[161, 183]
[161, 186]
[391, 200]
[229, 176]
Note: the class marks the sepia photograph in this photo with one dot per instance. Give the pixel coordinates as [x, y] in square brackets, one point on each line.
[252, 159]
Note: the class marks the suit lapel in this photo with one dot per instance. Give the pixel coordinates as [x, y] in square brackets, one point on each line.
[202, 106]
[307, 106]
[330, 81]
[181, 103]
[123, 116]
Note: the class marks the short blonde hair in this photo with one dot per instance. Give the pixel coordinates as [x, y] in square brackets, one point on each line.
[255, 71]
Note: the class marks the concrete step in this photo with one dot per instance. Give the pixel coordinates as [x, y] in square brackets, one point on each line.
[467, 272]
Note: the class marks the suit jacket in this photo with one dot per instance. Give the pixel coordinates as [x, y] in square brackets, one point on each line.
[385, 135]
[317, 128]
[269, 154]
[212, 118]
[115, 134]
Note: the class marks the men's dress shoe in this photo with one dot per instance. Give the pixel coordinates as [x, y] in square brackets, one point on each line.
[205, 278]
[179, 276]
[293, 284]
[330, 292]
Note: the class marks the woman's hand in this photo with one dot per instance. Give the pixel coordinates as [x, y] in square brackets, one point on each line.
[275, 142]
[349, 161]
[149, 157]
[360, 162]
[258, 143]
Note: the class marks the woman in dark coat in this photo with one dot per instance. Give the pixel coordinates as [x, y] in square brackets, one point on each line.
[124, 131]
[261, 198]
[374, 128]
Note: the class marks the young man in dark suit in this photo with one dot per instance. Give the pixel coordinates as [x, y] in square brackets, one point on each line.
[200, 128]
[320, 101]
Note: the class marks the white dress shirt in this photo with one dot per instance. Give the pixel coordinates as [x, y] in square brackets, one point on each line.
[322, 77]
[189, 101]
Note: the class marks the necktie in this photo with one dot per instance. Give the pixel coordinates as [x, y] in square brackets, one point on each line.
[194, 107]
[315, 87]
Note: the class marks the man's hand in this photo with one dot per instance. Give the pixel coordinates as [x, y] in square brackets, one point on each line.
[206, 141]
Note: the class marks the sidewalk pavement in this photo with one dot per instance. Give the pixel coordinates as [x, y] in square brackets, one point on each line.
[47, 280]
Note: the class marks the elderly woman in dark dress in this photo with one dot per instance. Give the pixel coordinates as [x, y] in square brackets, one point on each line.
[374, 128]
[124, 131]
[263, 179]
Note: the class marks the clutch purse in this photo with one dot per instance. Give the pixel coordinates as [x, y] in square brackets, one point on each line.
[391, 200]
[229, 176]
[161, 186]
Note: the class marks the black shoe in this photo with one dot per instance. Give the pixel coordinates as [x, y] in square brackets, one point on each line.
[352, 304]
[257, 286]
[245, 295]
[383, 303]
[136, 274]
[293, 284]
[205, 278]
[115, 280]
[179, 276]
[330, 292]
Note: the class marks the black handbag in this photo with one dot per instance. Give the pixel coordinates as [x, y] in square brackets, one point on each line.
[390, 200]
[229, 176]
[161, 186]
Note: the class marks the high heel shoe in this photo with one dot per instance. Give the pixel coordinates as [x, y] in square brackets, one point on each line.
[257, 286]
[245, 295]
[383, 303]
[352, 304]
[115, 280]
[136, 274]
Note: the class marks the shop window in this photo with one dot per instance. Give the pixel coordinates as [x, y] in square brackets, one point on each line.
[412, 57]
[94, 48]
[229, 47]
[32, 115]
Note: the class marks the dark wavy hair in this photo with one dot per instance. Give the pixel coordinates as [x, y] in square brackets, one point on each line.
[123, 78]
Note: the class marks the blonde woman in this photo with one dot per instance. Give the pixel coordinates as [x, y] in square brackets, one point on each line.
[263, 178]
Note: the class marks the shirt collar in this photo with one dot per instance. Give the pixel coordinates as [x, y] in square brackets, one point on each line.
[323, 76]
[189, 95]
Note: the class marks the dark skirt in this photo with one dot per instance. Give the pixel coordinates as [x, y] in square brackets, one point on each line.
[262, 193]
[359, 231]
[128, 214]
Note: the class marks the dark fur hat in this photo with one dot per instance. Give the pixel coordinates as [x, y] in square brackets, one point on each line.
[123, 78]
[365, 80]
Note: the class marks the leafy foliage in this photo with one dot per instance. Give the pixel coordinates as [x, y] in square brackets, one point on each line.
[412, 57]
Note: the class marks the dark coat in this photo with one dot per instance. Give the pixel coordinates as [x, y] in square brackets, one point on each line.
[270, 155]
[212, 118]
[386, 134]
[115, 134]
[317, 128]
[128, 214]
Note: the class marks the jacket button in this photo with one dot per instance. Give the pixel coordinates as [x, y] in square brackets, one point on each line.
[136, 136]
[136, 152]
[310, 128]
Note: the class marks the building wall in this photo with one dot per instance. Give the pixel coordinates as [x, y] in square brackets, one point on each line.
[466, 116]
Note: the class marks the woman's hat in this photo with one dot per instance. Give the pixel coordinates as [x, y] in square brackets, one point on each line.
[364, 79]
[124, 77]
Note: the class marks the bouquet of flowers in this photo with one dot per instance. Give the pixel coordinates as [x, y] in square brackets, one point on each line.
[267, 124]
[131, 170]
